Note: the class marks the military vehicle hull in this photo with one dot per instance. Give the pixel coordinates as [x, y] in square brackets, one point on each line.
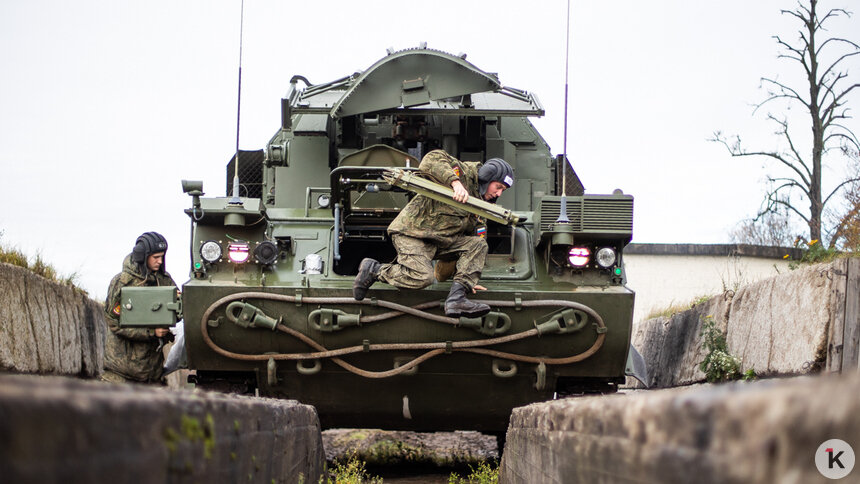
[452, 389]
[269, 307]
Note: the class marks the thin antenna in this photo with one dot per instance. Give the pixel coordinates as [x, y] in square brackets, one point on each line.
[235, 199]
[562, 216]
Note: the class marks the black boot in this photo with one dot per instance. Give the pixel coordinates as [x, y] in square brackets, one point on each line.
[458, 306]
[366, 277]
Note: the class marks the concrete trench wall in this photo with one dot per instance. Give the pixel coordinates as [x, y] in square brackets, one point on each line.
[48, 328]
[761, 432]
[55, 429]
[66, 430]
[801, 322]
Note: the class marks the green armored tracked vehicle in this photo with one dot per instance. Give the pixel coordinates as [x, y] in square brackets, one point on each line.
[269, 305]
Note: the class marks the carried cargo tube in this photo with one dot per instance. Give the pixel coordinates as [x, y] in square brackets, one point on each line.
[409, 180]
[474, 346]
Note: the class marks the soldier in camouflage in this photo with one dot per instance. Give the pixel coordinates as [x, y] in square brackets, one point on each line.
[134, 354]
[427, 229]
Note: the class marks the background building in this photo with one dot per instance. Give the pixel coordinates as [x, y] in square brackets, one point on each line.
[665, 275]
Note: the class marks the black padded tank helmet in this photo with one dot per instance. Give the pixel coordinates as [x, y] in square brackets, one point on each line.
[495, 169]
[147, 244]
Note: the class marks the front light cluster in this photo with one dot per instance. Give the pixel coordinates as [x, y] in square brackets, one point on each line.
[265, 252]
[238, 252]
[210, 251]
[581, 257]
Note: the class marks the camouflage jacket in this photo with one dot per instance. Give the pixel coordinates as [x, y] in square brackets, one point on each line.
[425, 218]
[133, 352]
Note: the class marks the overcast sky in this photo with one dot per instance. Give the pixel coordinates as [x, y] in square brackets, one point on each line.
[106, 105]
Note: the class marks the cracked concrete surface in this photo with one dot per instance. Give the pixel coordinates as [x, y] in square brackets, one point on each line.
[778, 326]
[48, 328]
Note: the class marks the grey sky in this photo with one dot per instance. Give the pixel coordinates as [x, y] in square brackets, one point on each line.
[105, 106]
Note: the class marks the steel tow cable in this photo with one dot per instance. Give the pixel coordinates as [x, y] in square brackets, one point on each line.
[472, 346]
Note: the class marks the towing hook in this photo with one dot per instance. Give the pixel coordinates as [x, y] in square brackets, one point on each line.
[564, 321]
[328, 320]
[248, 316]
[489, 324]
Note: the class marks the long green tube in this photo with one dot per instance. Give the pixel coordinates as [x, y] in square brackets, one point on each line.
[409, 181]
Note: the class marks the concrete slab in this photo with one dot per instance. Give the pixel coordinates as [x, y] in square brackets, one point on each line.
[791, 324]
[766, 431]
[672, 346]
[46, 327]
[67, 430]
[779, 325]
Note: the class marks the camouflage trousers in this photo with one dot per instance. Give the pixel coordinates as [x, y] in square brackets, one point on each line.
[414, 266]
[113, 377]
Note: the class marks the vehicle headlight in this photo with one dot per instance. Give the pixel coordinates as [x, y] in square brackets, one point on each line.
[605, 257]
[266, 252]
[238, 253]
[324, 200]
[210, 251]
[578, 256]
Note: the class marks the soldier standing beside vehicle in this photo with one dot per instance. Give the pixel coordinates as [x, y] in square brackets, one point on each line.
[135, 354]
[427, 229]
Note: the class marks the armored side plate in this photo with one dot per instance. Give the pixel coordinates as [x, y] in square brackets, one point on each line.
[147, 307]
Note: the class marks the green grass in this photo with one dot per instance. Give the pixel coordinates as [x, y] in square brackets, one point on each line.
[353, 471]
[483, 474]
[815, 253]
[674, 309]
[719, 365]
[37, 265]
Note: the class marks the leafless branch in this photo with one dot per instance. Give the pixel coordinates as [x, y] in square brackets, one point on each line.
[834, 12]
[800, 54]
[848, 137]
[835, 103]
[797, 157]
[735, 150]
[838, 187]
[786, 92]
[837, 61]
[787, 204]
[795, 14]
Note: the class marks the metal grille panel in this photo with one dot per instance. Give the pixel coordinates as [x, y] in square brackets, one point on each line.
[590, 214]
[250, 174]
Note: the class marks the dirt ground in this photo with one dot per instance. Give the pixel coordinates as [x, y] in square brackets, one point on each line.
[380, 447]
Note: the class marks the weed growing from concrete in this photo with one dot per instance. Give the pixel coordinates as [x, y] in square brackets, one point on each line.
[815, 253]
[719, 365]
[354, 471]
[483, 474]
[351, 472]
[734, 276]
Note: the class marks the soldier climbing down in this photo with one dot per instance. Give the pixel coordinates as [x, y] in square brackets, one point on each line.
[427, 229]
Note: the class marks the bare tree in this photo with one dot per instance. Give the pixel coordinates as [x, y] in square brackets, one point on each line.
[828, 88]
[772, 228]
[846, 232]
